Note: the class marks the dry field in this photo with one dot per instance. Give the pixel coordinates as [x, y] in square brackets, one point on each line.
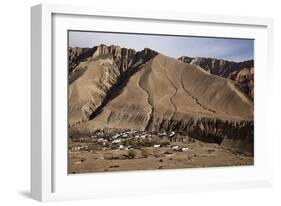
[191, 154]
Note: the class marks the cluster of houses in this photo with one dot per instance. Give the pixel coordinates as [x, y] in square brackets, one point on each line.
[115, 139]
[137, 135]
[78, 148]
[126, 140]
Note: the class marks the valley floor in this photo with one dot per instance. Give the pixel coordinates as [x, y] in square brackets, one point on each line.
[178, 152]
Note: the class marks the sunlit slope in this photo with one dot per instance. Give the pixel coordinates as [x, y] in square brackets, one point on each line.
[166, 94]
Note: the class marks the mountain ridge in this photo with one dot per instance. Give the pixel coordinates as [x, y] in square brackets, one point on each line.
[122, 88]
[240, 72]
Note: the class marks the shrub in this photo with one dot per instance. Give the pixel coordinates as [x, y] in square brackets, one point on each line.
[144, 153]
[132, 154]
[164, 143]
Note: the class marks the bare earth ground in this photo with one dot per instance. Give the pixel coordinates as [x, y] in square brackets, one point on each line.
[196, 154]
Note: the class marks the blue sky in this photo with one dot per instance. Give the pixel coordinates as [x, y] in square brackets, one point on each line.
[174, 46]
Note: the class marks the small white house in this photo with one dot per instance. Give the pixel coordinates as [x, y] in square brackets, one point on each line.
[162, 134]
[116, 141]
[172, 134]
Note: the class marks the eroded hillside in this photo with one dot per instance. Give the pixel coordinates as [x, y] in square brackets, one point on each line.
[111, 87]
[240, 72]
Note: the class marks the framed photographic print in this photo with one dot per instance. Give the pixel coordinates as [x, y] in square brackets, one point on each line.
[137, 102]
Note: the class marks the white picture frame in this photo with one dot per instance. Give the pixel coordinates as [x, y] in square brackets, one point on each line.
[49, 179]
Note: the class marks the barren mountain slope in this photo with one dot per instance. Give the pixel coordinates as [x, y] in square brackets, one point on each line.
[87, 93]
[97, 77]
[161, 94]
[228, 69]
